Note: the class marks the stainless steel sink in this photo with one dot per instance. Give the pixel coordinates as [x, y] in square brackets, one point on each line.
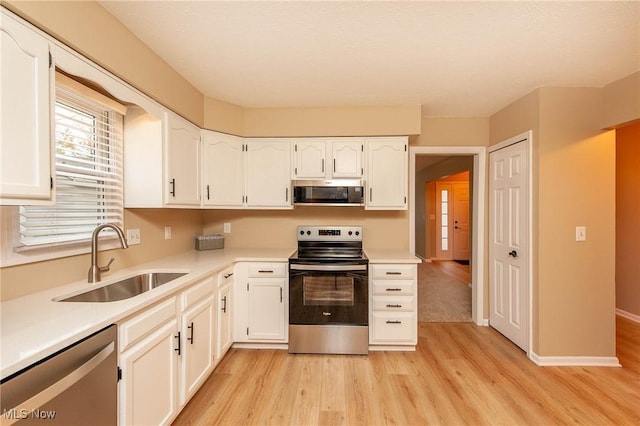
[125, 288]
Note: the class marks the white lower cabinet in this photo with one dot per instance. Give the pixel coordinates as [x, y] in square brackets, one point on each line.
[225, 321]
[261, 302]
[198, 352]
[149, 363]
[393, 305]
[166, 353]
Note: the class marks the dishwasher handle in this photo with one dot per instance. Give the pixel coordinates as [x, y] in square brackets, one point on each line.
[62, 385]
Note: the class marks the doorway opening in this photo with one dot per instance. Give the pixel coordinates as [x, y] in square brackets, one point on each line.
[427, 166]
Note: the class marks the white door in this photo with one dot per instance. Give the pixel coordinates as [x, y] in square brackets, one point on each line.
[309, 159]
[509, 242]
[460, 212]
[266, 309]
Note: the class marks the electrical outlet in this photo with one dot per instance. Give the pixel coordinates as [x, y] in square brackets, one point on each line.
[227, 228]
[133, 236]
[581, 233]
[167, 232]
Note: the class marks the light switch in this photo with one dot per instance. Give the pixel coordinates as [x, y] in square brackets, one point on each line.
[581, 233]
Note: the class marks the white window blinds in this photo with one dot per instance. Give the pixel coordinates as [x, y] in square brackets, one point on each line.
[88, 170]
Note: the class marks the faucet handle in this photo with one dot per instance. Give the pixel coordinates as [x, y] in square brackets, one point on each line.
[106, 268]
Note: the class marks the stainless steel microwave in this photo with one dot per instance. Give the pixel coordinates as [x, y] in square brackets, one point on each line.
[335, 192]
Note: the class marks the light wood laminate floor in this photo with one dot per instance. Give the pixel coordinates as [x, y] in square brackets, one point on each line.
[460, 374]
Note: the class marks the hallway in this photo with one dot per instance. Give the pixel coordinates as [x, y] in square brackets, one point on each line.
[443, 292]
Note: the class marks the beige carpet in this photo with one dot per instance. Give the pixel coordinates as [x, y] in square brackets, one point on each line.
[442, 298]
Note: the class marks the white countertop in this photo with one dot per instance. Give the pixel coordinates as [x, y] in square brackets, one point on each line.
[390, 256]
[34, 326]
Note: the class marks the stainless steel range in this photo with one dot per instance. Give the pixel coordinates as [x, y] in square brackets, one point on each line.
[328, 292]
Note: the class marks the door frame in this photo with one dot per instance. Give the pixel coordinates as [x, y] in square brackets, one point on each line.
[478, 258]
[527, 138]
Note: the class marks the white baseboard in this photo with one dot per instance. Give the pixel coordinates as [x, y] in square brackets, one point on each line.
[575, 361]
[628, 315]
[483, 322]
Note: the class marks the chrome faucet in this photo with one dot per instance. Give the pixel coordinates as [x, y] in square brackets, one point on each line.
[95, 270]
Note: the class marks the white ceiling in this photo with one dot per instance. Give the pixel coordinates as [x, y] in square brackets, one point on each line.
[454, 58]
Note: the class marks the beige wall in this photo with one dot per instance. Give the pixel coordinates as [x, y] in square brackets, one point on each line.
[338, 121]
[256, 228]
[622, 101]
[223, 117]
[91, 30]
[16, 281]
[453, 131]
[576, 284]
[628, 218]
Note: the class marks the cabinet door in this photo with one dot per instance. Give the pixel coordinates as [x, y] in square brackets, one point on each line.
[150, 379]
[268, 173]
[224, 336]
[223, 164]
[347, 158]
[25, 114]
[309, 159]
[266, 309]
[387, 160]
[182, 162]
[198, 341]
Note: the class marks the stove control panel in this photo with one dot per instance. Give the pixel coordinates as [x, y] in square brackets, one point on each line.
[329, 233]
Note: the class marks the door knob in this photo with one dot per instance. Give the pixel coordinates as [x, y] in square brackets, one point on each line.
[513, 253]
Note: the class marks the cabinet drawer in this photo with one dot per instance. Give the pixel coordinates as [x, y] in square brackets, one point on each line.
[394, 303]
[397, 287]
[198, 292]
[225, 277]
[267, 270]
[142, 324]
[394, 327]
[393, 272]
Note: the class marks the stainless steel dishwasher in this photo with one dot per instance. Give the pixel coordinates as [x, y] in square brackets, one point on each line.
[75, 386]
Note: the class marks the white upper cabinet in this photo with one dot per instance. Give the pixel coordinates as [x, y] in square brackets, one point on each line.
[26, 94]
[182, 161]
[387, 159]
[347, 158]
[309, 158]
[223, 170]
[268, 175]
[328, 158]
[161, 160]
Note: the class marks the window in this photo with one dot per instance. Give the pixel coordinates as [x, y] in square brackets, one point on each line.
[88, 172]
[444, 219]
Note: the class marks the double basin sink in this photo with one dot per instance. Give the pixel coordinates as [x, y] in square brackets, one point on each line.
[125, 288]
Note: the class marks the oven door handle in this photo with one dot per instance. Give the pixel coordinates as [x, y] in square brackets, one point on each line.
[327, 268]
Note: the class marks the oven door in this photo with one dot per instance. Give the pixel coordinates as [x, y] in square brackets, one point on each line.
[328, 294]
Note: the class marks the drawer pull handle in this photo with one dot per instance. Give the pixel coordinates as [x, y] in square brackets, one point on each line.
[265, 271]
[393, 273]
[228, 275]
[394, 322]
[394, 289]
[394, 306]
